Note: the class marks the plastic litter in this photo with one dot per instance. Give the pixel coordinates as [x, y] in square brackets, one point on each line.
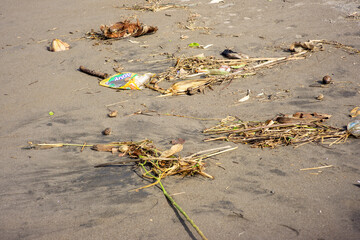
[354, 128]
[127, 80]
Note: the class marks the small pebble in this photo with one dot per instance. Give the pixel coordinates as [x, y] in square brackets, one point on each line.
[113, 114]
[320, 97]
[326, 79]
[107, 131]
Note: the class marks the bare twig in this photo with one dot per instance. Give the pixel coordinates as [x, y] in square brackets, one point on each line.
[93, 73]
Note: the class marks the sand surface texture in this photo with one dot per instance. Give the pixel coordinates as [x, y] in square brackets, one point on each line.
[256, 194]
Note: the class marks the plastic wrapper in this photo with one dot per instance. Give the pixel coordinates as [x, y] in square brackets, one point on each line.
[127, 80]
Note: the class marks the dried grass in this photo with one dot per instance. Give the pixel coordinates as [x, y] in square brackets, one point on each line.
[189, 67]
[153, 162]
[273, 134]
[209, 68]
[155, 7]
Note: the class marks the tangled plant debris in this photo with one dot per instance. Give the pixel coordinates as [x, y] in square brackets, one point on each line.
[300, 128]
[154, 7]
[151, 159]
[216, 71]
[154, 163]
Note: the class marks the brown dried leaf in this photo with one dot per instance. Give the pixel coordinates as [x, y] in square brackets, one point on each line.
[126, 29]
[183, 86]
[174, 149]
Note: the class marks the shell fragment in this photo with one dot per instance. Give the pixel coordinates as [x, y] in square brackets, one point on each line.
[57, 45]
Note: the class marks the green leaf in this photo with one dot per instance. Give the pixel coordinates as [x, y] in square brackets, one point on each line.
[194, 44]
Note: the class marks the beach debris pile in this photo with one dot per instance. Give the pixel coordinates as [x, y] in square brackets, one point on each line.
[153, 162]
[192, 75]
[122, 29]
[211, 71]
[296, 129]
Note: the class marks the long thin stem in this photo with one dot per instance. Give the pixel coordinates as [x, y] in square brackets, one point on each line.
[182, 212]
[158, 181]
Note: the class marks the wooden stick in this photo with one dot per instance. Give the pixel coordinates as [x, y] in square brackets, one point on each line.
[93, 73]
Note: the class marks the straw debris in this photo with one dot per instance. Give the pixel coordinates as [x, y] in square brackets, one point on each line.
[154, 163]
[151, 160]
[297, 129]
[155, 7]
[213, 71]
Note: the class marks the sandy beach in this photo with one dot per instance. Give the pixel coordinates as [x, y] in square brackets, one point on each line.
[255, 194]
